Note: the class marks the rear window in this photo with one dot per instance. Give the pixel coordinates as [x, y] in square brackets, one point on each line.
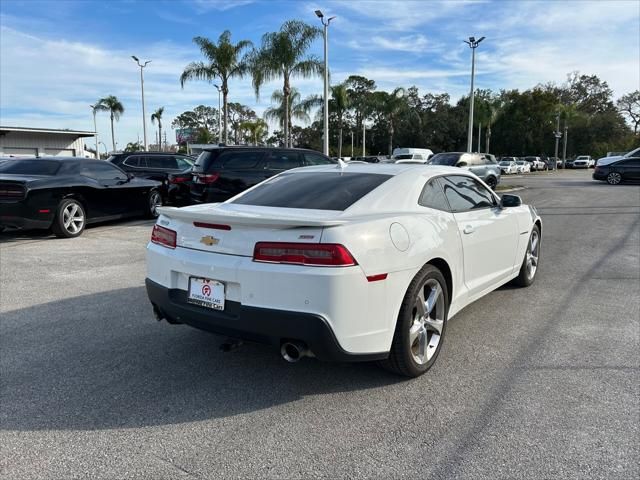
[449, 159]
[406, 156]
[30, 167]
[313, 190]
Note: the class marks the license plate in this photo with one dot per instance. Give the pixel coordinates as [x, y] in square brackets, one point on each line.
[206, 293]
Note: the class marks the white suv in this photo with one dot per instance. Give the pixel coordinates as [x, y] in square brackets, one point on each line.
[584, 161]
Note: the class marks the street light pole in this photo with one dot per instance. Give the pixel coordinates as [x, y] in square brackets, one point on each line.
[351, 143]
[558, 135]
[473, 44]
[144, 114]
[325, 147]
[564, 146]
[219, 116]
[95, 129]
[364, 135]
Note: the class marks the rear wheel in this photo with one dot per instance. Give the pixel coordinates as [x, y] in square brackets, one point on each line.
[154, 200]
[614, 178]
[70, 219]
[421, 325]
[529, 266]
[492, 182]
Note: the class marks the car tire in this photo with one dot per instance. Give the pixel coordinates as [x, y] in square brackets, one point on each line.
[70, 219]
[154, 200]
[531, 261]
[421, 325]
[614, 178]
[492, 182]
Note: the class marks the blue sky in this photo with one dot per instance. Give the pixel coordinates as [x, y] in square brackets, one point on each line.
[57, 57]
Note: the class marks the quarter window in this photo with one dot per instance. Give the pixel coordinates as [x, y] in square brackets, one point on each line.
[433, 197]
[465, 193]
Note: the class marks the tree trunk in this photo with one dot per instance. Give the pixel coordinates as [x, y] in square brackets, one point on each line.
[225, 92]
[160, 134]
[286, 90]
[487, 140]
[390, 138]
[113, 135]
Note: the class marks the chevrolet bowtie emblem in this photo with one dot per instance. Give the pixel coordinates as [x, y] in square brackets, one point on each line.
[209, 240]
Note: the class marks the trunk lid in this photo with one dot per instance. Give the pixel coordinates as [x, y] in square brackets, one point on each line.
[235, 229]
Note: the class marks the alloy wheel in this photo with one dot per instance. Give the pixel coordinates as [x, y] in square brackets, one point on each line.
[533, 252]
[425, 331]
[73, 218]
[155, 201]
[614, 178]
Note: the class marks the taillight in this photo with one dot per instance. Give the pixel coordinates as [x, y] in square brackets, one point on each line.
[207, 177]
[163, 236]
[318, 254]
[175, 180]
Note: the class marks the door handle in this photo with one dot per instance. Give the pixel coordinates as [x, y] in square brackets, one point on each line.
[468, 229]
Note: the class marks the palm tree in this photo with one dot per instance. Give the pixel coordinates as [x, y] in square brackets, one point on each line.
[299, 108]
[112, 105]
[224, 61]
[257, 129]
[283, 54]
[157, 115]
[340, 101]
[388, 106]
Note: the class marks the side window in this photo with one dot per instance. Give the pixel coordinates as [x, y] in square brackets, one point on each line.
[132, 161]
[464, 193]
[315, 159]
[184, 163]
[161, 162]
[102, 171]
[283, 160]
[432, 196]
[240, 160]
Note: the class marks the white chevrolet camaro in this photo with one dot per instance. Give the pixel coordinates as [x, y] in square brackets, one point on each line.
[344, 262]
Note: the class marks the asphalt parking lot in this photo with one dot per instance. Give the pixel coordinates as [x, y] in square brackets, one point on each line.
[531, 383]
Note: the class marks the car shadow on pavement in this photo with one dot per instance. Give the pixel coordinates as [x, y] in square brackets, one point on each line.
[101, 361]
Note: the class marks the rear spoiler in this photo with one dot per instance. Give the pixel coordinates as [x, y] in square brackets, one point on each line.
[214, 215]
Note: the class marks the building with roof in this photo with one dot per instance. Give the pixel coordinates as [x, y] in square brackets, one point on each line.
[40, 142]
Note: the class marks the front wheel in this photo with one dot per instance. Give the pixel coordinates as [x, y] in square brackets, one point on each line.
[529, 266]
[70, 219]
[614, 178]
[421, 325]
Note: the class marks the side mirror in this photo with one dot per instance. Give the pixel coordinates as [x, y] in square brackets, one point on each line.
[461, 164]
[510, 201]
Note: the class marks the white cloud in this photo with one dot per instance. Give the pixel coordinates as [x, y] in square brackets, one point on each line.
[222, 5]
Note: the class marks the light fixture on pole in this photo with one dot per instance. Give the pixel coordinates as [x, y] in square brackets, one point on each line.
[325, 147]
[106, 151]
[95, 128]
[473, 44]
[219, 115]
[144, 115]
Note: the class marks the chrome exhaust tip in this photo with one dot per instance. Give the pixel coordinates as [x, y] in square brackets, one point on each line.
[292, 352]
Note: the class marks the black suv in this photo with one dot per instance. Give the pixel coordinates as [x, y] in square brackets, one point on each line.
[158, 166]
[222, 172]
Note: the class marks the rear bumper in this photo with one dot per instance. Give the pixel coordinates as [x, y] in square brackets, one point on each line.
[18, 215]
[261, 325]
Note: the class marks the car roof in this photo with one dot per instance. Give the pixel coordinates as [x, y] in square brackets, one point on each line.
[256, 147]
[393, 169]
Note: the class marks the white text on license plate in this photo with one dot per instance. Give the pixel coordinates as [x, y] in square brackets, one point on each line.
[206, 293]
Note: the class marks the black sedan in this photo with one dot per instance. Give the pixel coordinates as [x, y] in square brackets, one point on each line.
[626, 169]
[65, 194]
